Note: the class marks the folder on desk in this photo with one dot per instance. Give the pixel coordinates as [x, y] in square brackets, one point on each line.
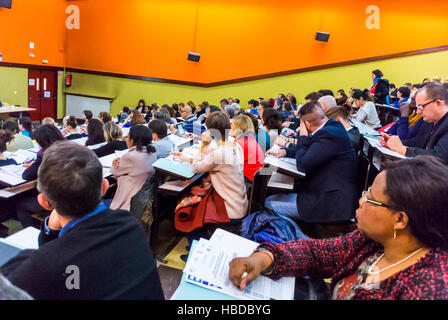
[182, 169]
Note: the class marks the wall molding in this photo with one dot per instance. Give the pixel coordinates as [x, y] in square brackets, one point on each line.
[238, 80]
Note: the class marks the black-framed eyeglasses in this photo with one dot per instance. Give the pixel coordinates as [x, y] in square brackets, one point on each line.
[365, 198]
[420, 107]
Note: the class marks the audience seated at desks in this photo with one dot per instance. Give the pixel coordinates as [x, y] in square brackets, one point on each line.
[18, 141]
[114, 138]
[134, 118]
[87, 115]
[325, 154]
[45, 136]
[261, 135]
[224, 164]
[132, 170]
[123, 115]
[190, 123]
[26, 126]
[162, 143]
[95, 133]
[104, 117]
[403, 95]
[272, 122]
[342, 114]
[366, 110]
[5, 138]
[410, 122]
[108, 248]
[243, 131]
[392, 255]
[432, 138]
[70, 131]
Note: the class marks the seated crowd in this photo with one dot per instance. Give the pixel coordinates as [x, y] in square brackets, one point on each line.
[397, 242]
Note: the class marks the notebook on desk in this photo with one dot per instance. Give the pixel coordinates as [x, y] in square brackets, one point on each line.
[7, 252]
[12, 174]
[177, 168]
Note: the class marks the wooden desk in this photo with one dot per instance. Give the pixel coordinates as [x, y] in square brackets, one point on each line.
[6, 111]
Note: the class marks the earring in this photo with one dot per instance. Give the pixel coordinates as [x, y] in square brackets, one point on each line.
[395, 233]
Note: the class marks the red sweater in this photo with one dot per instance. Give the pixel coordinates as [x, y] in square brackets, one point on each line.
[339, 258]
[253, 156]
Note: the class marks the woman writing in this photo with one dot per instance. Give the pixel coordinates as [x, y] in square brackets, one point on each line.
[400, 250]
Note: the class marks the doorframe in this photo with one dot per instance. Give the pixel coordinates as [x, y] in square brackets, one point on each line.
[48, 68]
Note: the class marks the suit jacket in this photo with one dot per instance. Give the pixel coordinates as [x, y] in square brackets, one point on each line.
[110, 251]
[424, 142]
[328, 194]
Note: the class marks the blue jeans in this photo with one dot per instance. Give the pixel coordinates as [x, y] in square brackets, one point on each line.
[283, 204]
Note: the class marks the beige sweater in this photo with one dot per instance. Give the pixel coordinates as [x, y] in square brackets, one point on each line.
[134, 169]
[225, 166]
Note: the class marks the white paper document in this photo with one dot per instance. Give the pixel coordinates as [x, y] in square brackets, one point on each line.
[287, 164]
[208, 266]
[20, 156]
[376, 144]
[106, 161]
[12, 174]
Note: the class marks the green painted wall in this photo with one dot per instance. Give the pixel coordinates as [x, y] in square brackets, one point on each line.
[128, 92]
[14, 86]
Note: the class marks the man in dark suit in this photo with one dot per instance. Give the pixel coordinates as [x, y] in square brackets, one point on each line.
[432, 138]
[328, 194]
[86, 251]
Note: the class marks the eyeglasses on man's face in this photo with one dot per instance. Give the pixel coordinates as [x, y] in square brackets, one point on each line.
[420, 107]
[365, 198]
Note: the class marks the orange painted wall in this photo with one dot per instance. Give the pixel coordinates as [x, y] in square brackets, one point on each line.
[240, 38]
[38, 21]
[236, 38]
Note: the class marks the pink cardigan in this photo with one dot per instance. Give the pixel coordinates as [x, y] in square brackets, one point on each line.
[134, 169]
[225, 166]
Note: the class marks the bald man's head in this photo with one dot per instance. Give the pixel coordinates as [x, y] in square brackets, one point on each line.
[185, 112]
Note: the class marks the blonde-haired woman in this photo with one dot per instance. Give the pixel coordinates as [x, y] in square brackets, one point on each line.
[114, 139]
[242, 129]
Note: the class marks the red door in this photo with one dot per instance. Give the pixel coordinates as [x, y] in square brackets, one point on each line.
[42, 93]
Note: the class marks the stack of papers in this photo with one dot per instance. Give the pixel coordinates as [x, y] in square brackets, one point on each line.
[20, 156]
[12, 174]
[106, 161]
[208, 267]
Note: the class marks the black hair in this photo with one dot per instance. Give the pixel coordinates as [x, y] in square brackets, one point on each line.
[405, 92]
[313, 96]
[253, 103]
[11, 126]
[26, 123]
[224, 101]
[391, 86]
[126, 109]
[214, 108]
[46, 135]
[419, 187]
[88, 114]
[272, 119]
[326, 92]
[76, 192]
[95, 132]
[377, 73]
[141, 135]
[159, 128]
[358, 94]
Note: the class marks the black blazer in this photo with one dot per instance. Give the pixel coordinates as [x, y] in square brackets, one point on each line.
[328, 194]
[355, 138]
[112, 254]
[425, 143]
[382, 91]
[30, 173]
[110, 148]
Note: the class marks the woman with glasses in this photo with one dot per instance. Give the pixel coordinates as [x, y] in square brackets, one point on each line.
[400, 250]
